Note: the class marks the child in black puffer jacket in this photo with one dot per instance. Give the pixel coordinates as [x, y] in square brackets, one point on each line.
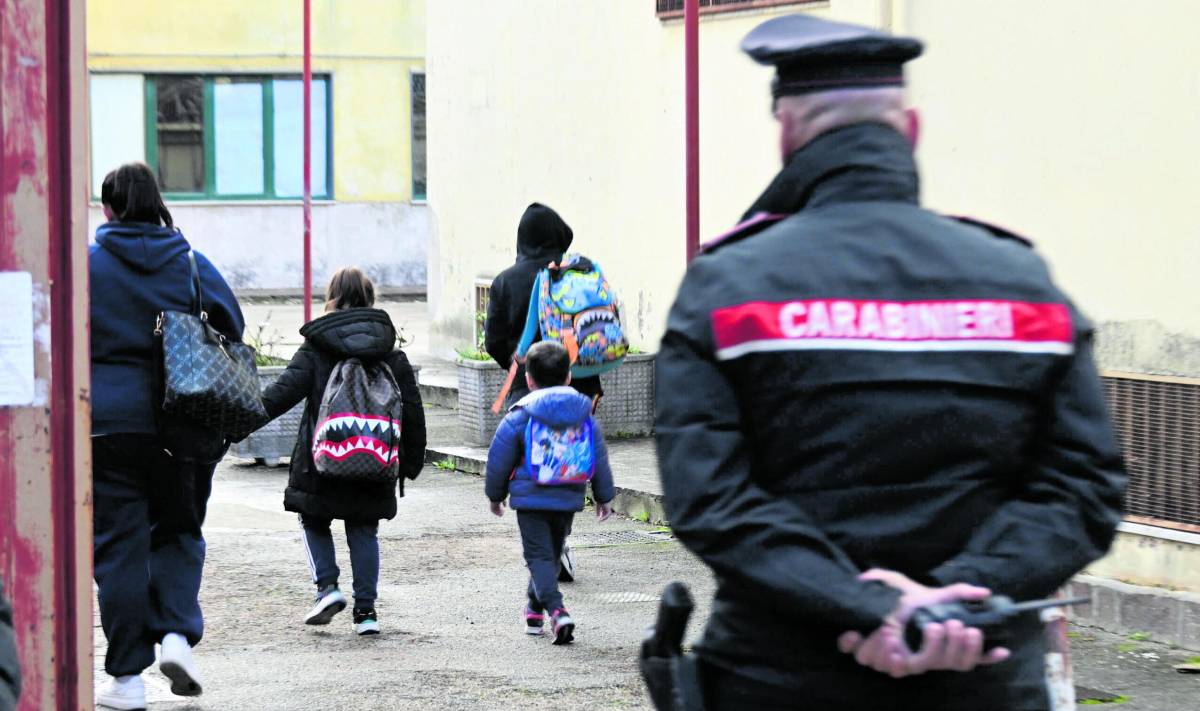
[351, 328]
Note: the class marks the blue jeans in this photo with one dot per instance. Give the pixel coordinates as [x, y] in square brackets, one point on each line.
[362, 539]
[542, 536]
[147, 546]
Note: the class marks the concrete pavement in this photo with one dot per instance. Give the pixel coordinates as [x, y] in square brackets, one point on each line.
[452, 588]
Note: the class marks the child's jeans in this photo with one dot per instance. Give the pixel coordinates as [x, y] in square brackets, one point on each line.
[362, 539]
[542, 536]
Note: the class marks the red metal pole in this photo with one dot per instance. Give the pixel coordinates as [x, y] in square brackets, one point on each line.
[691, 61]
[307, 160]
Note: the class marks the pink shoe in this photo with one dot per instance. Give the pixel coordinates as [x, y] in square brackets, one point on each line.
[533, 622]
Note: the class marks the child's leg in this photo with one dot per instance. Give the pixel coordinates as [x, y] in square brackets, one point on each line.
[363, 539]
[318, 544]
[560, 525]
[541, 557]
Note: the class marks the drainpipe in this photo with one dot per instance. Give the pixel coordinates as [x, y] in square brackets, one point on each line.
[307, 160]
[691, 17]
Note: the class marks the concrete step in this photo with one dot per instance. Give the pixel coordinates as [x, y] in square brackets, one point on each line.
[439, 383]
[439, 394]
[638, 492]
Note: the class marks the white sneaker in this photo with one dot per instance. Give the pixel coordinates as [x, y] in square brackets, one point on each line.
[176, 663]
[126, 693]
[330, 601]
[566, 564]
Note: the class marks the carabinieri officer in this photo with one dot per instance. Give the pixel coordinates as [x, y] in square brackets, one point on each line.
[865, 407]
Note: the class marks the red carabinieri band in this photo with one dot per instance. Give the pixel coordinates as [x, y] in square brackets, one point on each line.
[878, 325]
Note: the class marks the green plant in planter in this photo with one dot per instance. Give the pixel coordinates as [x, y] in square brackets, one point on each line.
[479, 351]
[264, 341]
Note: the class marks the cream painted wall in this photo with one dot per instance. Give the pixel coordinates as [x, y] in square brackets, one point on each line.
[1079, 126]
[580, 105]
[368, 46]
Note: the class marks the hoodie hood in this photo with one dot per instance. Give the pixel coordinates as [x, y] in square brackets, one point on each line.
[352, 333]
[542, 234]
[142, 245]
[560, 406]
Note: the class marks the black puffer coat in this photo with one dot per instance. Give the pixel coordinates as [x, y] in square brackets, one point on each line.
[542, 238]
[353, 333]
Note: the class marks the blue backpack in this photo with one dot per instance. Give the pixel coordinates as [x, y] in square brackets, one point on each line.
[556, 457]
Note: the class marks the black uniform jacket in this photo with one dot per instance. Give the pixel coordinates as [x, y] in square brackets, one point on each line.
[853, 382]
[352, 333]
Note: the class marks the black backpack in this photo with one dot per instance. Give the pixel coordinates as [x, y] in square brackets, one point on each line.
[357, 434]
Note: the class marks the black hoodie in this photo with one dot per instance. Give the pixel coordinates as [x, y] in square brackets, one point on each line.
[542, 238]
[352, 333]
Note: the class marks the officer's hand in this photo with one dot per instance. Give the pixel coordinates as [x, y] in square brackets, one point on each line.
[950, 646]
[497, 507]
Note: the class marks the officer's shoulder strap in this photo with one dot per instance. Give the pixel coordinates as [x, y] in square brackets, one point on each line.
[754, 224]
[994, 230]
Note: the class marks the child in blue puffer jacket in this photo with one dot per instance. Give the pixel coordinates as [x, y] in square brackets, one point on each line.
[545, 452]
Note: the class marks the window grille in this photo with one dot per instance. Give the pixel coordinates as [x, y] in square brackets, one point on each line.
[1158, 423]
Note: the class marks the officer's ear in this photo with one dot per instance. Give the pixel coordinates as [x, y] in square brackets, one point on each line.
[913, 121]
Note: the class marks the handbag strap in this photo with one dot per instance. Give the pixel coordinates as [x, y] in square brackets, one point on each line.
[197, 292]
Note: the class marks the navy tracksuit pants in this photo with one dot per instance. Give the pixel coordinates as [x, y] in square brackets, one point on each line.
[362, 538]
[542, 537]
[148, 550]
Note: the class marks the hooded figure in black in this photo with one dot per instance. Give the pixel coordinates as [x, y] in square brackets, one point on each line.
[542, 238]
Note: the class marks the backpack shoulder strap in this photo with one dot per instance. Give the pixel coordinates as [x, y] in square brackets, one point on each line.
[532, 320]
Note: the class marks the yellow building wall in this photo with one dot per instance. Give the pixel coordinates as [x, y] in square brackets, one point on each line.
[368, 47]
[1076, 124]
[580, 105]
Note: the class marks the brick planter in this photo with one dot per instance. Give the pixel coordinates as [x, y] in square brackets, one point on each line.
[627, 408]
[277, 439]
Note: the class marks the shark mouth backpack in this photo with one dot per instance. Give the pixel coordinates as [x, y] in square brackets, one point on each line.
[357, 436]
[572, 303]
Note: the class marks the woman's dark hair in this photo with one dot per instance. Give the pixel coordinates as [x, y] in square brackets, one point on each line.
[349, 289]
[131, 192]
[548, 363]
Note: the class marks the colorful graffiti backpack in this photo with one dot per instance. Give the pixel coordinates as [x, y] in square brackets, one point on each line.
[357, 435]
[572, 303]
[554, 457]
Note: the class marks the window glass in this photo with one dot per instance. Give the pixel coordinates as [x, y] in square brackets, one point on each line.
[180, 113]
[118, 123]
[418, 136]
[238, 125]
[289, 138]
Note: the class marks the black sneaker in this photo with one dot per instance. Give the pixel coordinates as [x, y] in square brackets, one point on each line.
[330, 601]
[366, 622]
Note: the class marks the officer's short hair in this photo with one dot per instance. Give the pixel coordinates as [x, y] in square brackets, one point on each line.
[548, 364]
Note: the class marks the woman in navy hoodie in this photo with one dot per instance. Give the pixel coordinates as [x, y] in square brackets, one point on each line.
[151, 476]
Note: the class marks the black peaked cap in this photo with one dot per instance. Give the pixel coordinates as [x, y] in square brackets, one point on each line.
[811, 54]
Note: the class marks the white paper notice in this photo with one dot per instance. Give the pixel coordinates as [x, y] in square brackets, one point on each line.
[16, 338]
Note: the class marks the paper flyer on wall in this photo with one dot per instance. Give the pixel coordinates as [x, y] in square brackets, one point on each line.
[16, 339]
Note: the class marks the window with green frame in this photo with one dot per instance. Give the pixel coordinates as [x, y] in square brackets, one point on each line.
[236, 137]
